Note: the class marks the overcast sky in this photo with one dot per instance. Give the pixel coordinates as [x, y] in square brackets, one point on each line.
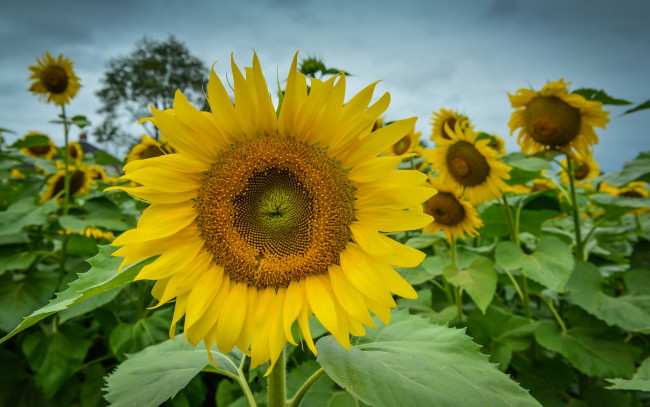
[461, 55]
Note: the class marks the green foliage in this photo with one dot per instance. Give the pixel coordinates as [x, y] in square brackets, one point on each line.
[600, 96]
[640, 380]
[635, 170]
[455, 373]
[641, 106]
[159, 372]
[479, 280]
[550, 264]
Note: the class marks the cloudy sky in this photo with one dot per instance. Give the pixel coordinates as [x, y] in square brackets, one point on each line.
[461, 55]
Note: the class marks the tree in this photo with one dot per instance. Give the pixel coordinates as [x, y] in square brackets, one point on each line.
[150, 75]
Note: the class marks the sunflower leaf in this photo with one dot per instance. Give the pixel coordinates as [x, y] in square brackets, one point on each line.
[601, 96]
[479, 280]
[635, 170]
[550, 264]
[412, 362]
[157, 373]
[630, 311]
[103, 276]
[640, 380]
[642, 106]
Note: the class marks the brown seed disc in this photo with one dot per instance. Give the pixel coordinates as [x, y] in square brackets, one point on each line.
[466, 164]
[551, 121]
[54, 79]
[402, 146]
[445, 209]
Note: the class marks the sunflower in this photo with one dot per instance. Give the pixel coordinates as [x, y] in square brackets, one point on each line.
[555, 119]
[80, 181]
[443, 118]
[147, 148]
[54, 79]
[584, 168]
[470, 164]
[634, 189]
[75, 152]
[497, 144]
[405, 145]
[263, 219]
[452, 215]
[45, 151]
[538, 185]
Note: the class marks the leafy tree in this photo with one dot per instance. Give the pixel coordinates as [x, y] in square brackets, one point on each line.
[150, 75]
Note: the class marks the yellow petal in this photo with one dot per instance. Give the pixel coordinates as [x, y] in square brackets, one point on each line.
[231, 320]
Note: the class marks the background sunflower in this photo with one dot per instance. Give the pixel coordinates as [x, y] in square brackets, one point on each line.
[54, 80]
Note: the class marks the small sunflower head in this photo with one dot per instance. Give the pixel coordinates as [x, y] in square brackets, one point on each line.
[45, 150]
[80, 181]
[54, 80]
[147, 148]
[584, 169]
[446, 118]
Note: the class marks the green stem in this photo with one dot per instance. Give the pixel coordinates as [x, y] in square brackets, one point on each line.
[277, 383]
[554, 312]
[458, 291]
[66, 153]
[412, 162]
[511, 226]
[244, 384]
[514, 283]
[526, 298]
[297, 399]
[576, 210]
[593, 229]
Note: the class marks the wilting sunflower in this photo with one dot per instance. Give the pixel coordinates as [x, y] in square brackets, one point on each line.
[584, 168]
[443, 118]
[147, 148]
[555, 119]
[263, 219]
[405, 145]
[54, 79]
[453, 215]
[470, 164]
[45, 151]
[80, 181]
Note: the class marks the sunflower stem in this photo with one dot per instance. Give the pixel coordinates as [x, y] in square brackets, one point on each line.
[277, 383]
[576, 210]
[412, 162]
[66, 181]
[526, 296]
[297, 399]
[513, 231]
[559, 320]
[248, 394]
[458, 291]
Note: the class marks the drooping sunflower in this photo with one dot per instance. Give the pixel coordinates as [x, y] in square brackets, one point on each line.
[405, 145]
[147, 148]
[80, 181]
[584, 169]
[263, 219]
[470, 164]
[445, 117]
[452, 215]
[553, 118]
[54, 79]
[45, 151]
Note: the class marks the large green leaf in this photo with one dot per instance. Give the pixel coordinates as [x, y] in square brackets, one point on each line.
[640, 380]
[103, 276]
[601, 96]
[550, 264]
[15, 259]
[323, 393]
[630, 311]
[130, 338]
[586, 351]
[501, 332]
[430, 267]
[635, 170]
[55, 357]
[20, 297]
[157, 373]
[24, 213]
[412, 362]
[479, 280]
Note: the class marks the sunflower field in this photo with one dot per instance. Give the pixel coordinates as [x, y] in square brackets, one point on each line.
[311, 252]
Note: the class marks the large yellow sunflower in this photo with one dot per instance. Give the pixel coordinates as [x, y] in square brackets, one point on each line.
[45, 151]
[54, 79]
[80, 181]
[584, 169]
[470, 164]
[147, 148]
[555, 119]
[263, 219]
[453, 215]
[445, 117]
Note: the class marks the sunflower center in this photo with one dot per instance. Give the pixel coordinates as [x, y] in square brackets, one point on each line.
[273, 210]
[466, 164]
[39, 150]
[55, 79]
[551, 121]
[632, 194]
[402, 146]
[73, 152]
[151, 151]
[445, 209]
[581, 171]
[77, 180]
